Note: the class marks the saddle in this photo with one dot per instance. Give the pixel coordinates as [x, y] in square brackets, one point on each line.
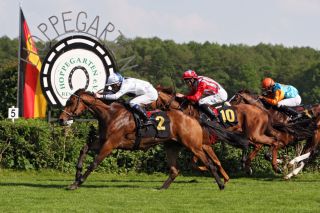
[158, 128]
[296, 113]
[305, 110]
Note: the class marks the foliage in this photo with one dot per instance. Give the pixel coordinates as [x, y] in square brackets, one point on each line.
[8, 84]
[36, 145]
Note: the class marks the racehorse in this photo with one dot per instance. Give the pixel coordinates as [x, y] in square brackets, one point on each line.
[253, 123]
[307, 129]
[117, 130]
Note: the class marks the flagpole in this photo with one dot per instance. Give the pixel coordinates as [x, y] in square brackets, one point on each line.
[19, 61]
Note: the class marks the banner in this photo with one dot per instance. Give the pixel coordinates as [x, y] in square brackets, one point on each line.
[32, 102]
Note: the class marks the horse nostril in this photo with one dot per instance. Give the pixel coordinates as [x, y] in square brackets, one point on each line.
[60, 121]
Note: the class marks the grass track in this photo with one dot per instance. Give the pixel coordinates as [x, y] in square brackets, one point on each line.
[45, 192]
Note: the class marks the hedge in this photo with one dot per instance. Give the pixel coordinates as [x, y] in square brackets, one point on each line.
[37, 144]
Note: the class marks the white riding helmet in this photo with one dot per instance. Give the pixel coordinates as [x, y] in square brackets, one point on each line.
[114, 78]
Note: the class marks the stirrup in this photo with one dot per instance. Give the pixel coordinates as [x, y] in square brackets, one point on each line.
[215, 119]
[146, 122]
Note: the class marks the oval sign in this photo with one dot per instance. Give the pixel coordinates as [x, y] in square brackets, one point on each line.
[74, 63]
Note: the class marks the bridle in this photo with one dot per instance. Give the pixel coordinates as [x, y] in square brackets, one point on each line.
[167, 104]
[238, 100]
[88, 105]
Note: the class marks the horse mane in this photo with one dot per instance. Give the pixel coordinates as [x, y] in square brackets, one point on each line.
[82, 90]
[168, 90]
[245, 91]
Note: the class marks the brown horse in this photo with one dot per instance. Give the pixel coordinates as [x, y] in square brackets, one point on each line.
[253, 123]
[117, 130]
[307, 129]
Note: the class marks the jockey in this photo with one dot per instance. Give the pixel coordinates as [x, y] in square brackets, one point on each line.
[282, 96]
[144, 93]
[199, 85]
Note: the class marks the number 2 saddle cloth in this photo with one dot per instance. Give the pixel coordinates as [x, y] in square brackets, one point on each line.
[160, 127]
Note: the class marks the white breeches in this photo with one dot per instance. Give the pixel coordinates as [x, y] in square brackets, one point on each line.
[149, 97]
[290, 101]
[214, 99]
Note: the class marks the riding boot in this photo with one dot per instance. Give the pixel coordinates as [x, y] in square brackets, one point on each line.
[294, 115]
[142, 114]
[208, 111]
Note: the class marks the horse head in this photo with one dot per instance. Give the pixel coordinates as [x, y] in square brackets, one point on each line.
[77, 103]
[166, 99]
[246, 97]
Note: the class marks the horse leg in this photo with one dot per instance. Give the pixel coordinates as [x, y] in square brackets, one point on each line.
[308, 151]
[104, 152]
[244, 157]
[172, 151]
[274, 158]
[209, 164]
[83, 154]
[214, 158]
[295, 171]
[194, 165]
[250, 157]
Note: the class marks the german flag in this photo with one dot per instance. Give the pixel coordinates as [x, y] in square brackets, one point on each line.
[32, 103]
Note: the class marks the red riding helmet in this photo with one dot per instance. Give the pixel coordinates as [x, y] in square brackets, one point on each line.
[190, 74]
[267, 83]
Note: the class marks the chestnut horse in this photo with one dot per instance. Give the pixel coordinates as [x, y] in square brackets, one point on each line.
[307, 129]
[117, 130]
[253, 123]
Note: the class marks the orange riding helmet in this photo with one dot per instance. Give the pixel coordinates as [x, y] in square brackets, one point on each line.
[267, 83]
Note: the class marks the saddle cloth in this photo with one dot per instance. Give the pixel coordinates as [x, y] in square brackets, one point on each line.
[160, 127]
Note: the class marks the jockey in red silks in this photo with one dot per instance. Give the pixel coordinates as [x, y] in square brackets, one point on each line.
[204, 91]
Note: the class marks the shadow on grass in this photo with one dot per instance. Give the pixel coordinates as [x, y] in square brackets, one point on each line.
[89, 184]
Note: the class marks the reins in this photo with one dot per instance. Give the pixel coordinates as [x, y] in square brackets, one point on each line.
[87, 104]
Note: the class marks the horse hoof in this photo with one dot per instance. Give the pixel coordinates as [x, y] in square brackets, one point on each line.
[279, 171]
[268, 156]
[286, 177]
[221, 187]
[249, 171]
[73, 186]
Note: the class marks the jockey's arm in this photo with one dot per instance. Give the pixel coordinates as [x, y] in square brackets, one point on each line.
[197, 95]
[278, 96]
[114, 96]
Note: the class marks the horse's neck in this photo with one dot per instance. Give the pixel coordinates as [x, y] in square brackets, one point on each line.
[101, 110]
[191, 110]
[251, 100]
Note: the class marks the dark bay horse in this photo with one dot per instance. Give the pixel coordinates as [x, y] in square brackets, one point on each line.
[307, 129]
[253, 123]
[117, 130]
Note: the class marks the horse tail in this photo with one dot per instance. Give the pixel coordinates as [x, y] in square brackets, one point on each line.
[234, 139]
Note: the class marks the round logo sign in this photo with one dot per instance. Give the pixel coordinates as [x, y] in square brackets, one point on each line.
[73, 63]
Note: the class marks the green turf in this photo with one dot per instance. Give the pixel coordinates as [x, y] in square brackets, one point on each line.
[45, 192]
